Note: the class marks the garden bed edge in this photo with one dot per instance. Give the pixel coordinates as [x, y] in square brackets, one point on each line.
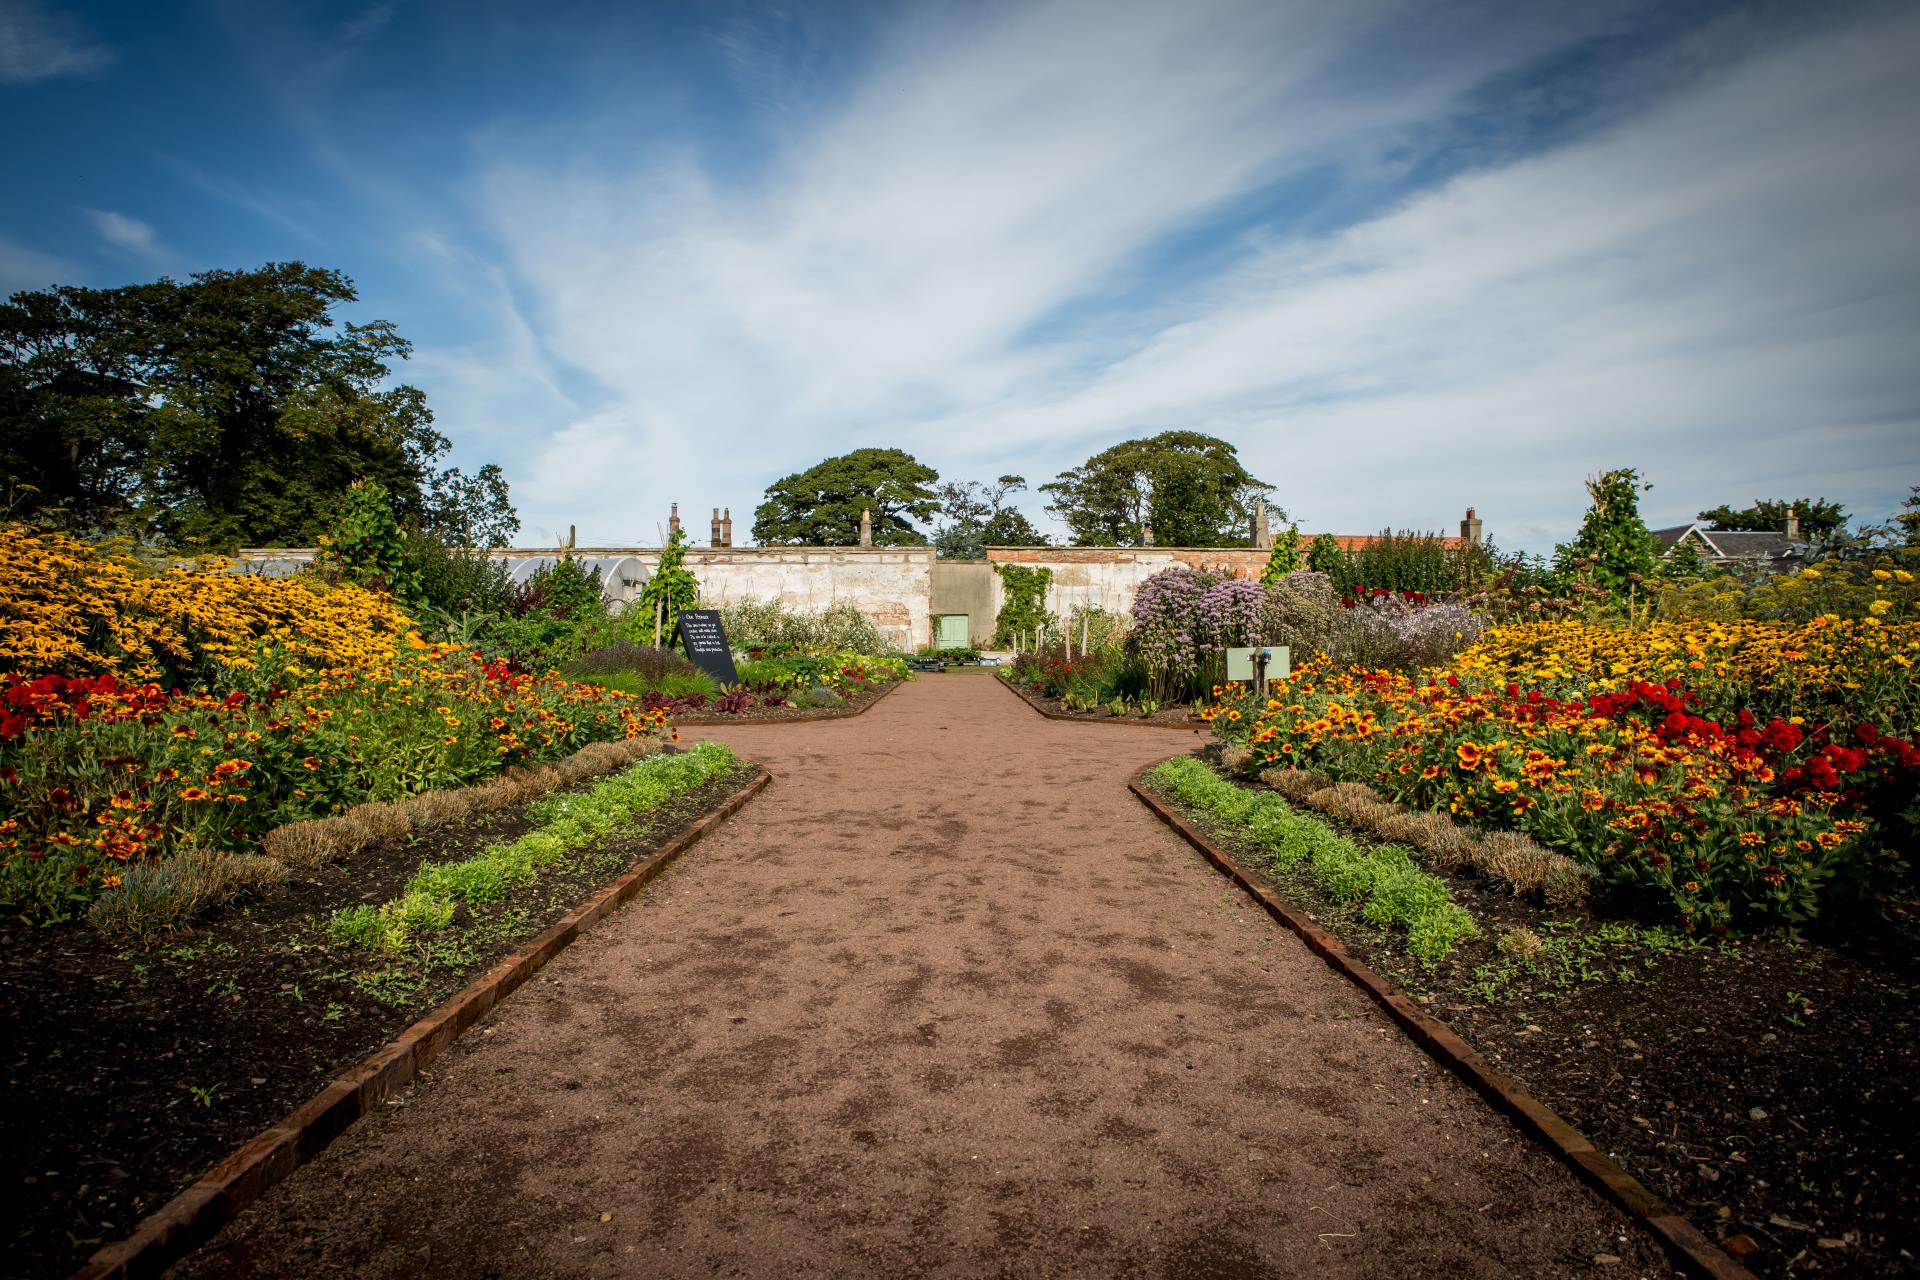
[842, 713]
[1185, 726]
[197, 1213]
[1682, 1240]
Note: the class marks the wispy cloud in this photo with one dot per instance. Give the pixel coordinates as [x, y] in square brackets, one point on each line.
[366, 24]
[129, 235]
[24, 268]
[1014, 241]
[37, 44]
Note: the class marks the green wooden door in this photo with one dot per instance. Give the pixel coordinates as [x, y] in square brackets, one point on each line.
[950, 631]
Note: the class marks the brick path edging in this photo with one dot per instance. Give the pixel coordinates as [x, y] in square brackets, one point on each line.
[1075, 718]
[1693, 1251]
[170, 1232]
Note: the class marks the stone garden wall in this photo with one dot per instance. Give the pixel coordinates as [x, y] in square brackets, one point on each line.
[891, 585]
[1106, 577]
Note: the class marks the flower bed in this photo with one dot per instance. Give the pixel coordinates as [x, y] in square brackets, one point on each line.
[140, 1060]
[1380, 879]
[1706, 1066]
[187, 712]
[1774, 782]
[68, 608]
[790, 688]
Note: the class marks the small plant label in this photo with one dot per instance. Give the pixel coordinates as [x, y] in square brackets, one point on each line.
[706, 644]
[1244, 664]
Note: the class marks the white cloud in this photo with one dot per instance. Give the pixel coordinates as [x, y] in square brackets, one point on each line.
[38, 45]
[1721, 288]
[130, 235]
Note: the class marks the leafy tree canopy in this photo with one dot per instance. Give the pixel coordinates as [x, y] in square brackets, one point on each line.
[821, 506]
[1189, 487]
[975, 515]
[225, 410]
[1907, 520]
[1818, 517]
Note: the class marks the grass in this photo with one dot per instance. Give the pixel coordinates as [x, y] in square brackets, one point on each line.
[562, 824]
[1392, 892]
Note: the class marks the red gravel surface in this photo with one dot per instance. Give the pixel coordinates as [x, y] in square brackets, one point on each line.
[945, 1000]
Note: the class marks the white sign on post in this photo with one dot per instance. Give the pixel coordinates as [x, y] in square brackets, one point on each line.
[1242, 664]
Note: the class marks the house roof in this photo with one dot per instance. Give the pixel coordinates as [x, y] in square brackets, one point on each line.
[1732, 544]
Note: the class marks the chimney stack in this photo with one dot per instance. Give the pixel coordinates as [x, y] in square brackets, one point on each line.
[1470, 529]
[713, 539]
[726, 527]
[1262, 534]
[866, 527]
[1793, 524]
[673, 522]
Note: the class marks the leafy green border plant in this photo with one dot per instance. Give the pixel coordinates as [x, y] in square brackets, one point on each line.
[562, 824]
[1392, 891]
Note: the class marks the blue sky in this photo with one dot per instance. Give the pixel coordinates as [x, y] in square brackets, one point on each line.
[1407, 257]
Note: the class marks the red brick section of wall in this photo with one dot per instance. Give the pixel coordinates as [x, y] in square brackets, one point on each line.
[1235, 562]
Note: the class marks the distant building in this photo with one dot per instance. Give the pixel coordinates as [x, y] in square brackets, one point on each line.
[1756, 549]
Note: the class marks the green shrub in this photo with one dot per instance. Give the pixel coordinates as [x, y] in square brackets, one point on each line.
[770, 626]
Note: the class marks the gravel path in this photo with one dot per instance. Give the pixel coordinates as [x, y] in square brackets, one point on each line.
[944, 1000]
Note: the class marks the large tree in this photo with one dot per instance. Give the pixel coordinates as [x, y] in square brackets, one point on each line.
[1189, 487]
[225, 410]
[821, 506]
[1817, 516]
[1613, 547]
[975, 515]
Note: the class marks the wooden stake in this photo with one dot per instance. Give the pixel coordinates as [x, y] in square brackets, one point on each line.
[659, 617]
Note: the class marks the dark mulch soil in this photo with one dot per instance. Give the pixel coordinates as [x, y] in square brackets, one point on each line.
[1767, 1087]
[857, 697]
[131, 1067]
[1179, 716]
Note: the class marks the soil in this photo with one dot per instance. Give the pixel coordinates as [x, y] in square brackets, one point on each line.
[132, 1066]
[1769, 1088]
[944, 1000]
[1173, 717]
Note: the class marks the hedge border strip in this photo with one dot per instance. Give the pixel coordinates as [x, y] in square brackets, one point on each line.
[193, 1216]
[717, 721]
[1071, 717]
[1694, 1252]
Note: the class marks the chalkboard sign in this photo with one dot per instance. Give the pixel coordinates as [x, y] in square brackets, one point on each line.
[706, 644]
